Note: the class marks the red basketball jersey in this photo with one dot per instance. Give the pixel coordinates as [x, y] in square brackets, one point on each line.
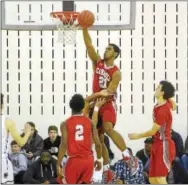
[79, 130]
[162, 116]
[103, 76]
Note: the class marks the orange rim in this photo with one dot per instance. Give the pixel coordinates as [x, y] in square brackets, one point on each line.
[69, 15]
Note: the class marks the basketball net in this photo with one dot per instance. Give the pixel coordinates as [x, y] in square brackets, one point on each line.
[66, 29]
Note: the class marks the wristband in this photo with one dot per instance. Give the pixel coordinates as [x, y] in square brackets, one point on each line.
[96, 109]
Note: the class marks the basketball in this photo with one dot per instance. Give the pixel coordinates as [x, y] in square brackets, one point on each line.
[86, 19]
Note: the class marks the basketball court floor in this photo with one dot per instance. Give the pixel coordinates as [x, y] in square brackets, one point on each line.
[40, 74]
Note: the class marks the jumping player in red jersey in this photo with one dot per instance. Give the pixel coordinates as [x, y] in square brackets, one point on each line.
[77, 133]
[107, 76]
[163, 148]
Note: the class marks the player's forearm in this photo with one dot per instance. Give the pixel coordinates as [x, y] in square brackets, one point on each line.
[98, 148]
[87, 38]
[61, 154]
[146, 134]
[92, 97]
[86, 109]
[95, 116]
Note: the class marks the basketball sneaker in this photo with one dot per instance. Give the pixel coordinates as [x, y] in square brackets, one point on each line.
[108, 176]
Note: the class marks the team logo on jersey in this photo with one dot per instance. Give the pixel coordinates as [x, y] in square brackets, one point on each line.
[103, 73]
[104, 78]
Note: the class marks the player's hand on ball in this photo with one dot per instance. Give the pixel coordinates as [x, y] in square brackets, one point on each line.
[98, 165]
[133, 136]
[100, 102]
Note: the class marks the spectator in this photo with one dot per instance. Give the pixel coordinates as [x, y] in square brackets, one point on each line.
[34, 145]
[53, 141]
[19, 162]
[124, 175]
[184, 158]
[146, 172]
[180, 175]
[42, 171]
[186, 145]
[176, 137]
[184, 161]
[144, 154]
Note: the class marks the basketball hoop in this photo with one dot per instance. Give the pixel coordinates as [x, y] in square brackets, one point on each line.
[67, 25]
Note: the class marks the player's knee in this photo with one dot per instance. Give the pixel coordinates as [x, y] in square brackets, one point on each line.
[108, 128]
[152, 180]
[98, 145]
[101, 137]
[160, 180]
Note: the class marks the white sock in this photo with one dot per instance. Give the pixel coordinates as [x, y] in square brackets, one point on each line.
[106, 167]
[126, 153]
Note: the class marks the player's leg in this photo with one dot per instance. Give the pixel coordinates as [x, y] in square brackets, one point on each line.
[108, 113]
[153, 165]
[160, 180]
[114, 135]
[72, 170]
[107, 173]
[105, 153]
[161, 158]
[86, 171]
[152, 180]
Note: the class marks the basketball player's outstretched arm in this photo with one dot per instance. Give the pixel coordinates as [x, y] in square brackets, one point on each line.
[159, 121]
[63, 145]
[93, 55]
[91, 98]
[148, 133]
[11, 128]
[99, 103]
[116, 78]
[98, 146]
[96, 95]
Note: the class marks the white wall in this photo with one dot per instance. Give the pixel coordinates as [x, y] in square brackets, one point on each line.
[25, 90]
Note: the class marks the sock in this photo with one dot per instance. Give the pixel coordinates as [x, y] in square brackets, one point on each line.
[126, 153]
[106, 167]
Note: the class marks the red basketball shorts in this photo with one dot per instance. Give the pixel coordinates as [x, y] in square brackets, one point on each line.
[108, 112]
[79, 170]
[162, 155]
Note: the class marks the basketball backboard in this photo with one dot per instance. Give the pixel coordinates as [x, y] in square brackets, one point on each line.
[35, 14]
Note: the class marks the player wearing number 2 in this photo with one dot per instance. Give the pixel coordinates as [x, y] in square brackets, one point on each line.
[77, 133]
[107, 76]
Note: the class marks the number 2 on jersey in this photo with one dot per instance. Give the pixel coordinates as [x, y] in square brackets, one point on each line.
[79, 133]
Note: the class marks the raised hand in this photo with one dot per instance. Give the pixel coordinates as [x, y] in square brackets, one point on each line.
[100, 102]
